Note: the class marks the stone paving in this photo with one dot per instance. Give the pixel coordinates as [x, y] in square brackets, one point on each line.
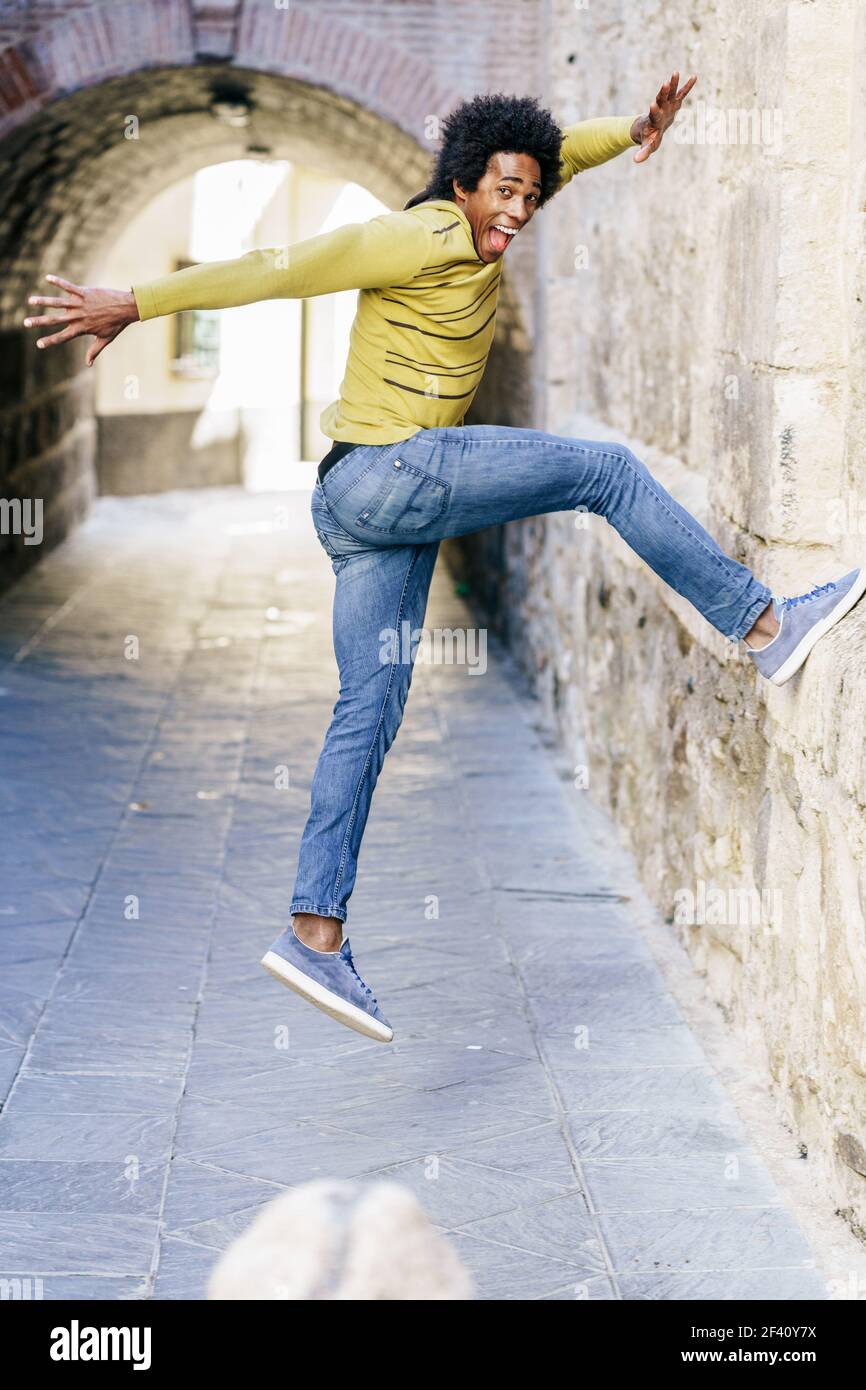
[543, 1097]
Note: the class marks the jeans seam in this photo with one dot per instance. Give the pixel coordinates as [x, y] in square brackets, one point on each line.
[720, 560]
[333, 518]
[344, 850]
[337, 558]
[522, 444]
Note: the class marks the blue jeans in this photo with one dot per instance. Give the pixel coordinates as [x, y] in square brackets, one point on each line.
[380, 515]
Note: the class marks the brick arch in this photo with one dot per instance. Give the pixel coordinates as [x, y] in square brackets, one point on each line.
[102, 41]
[69, 178]
[162, 60]
[322, 93]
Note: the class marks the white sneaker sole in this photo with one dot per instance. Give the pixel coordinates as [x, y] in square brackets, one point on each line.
[325, 999]
[791, 666]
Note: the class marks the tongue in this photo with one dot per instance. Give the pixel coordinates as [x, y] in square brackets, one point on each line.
[498, 240]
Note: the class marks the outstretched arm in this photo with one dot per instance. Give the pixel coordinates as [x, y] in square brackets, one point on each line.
[364, 255]
[589, 143]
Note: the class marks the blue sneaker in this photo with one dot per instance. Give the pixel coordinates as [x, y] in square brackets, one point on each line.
[329, 980]
[803, 621]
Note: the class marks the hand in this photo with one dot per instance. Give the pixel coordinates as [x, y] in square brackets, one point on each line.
[648, 130]
[104, 313]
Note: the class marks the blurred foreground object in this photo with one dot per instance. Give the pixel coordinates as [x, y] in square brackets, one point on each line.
[344, 1241]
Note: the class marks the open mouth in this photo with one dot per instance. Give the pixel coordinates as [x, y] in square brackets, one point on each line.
[500, 234]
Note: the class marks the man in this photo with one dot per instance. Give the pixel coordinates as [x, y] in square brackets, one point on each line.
[405, 473]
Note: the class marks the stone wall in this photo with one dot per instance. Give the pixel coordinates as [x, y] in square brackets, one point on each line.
[47, 449]
[706, 309]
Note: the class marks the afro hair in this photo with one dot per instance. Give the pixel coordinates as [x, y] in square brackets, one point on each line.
[488, 125]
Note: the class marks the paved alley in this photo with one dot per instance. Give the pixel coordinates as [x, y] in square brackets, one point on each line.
[165, 681]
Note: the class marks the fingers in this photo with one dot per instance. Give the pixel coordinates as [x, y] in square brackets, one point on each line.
[670, 92]
[44, 319]
[94, 350]
[662, 113]
[71, 308]
[649, 146]
[667, 89]
[65, 284]
[73, 331]
[54, 303]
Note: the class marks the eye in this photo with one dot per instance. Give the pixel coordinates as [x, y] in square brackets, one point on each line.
[505, 190]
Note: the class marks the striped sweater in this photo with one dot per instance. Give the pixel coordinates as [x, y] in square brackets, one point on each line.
[426, 309]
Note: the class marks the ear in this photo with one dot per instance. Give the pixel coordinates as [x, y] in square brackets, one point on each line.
[460, 194]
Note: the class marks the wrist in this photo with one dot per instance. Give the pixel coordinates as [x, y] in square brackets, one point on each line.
[130, 306]
[638, 127]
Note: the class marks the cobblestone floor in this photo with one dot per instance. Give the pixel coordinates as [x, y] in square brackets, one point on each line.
[151, 1106]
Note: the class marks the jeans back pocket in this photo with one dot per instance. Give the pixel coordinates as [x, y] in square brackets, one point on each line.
[406, 500]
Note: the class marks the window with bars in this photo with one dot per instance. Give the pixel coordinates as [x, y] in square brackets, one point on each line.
[196, 339]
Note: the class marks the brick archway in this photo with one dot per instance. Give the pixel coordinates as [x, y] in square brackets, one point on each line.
[317, 84]
[98, 42]
[71, 177]
[320, 92]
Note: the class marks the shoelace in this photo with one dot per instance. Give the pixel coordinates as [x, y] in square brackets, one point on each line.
[366, 988]
[815, 592]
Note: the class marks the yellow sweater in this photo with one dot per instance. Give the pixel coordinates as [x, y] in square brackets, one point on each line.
[426, 309]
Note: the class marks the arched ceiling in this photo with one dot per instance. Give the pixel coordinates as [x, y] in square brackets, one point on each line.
[70, 177]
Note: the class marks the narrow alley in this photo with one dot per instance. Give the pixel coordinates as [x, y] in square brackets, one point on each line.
[165, 679]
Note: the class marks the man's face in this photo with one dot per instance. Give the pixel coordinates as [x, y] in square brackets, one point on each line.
[506, 197]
